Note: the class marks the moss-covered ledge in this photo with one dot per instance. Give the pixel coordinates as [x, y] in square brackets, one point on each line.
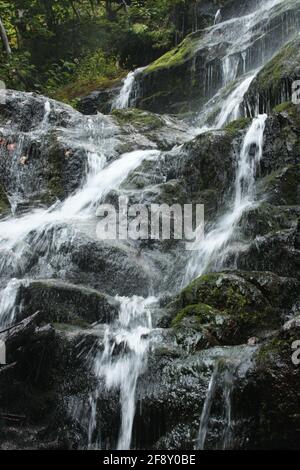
[230, 307]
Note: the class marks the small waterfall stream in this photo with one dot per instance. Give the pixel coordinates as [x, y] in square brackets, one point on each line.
[213, 250]
[121, 370]
[123, 99]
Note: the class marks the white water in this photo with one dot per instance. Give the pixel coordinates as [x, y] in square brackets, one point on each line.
[230, 110]
[121, 371]
[122, 101]
[8, 305]
[80, 205]
[215, 245]
[204, 420]
[222, 376]
[218, 17]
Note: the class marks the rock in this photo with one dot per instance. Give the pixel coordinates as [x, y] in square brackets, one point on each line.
[278, 412]
[161, 87]
[4, 203]
[282, 187]
[49, 371]
[163, 132]
[98, 101]
[60, 302]
[227, 308]
[273, 84]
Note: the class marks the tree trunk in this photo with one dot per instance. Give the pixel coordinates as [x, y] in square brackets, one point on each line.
[4, 38]
[109, 10]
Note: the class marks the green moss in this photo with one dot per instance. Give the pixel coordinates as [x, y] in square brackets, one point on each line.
[204, 314]
[280, 66]
[138, 118]
[234, 127]
[76, 323]
[176, 56]
[226, 293]
[286, 106]
[282, 185]
[70, 93]
[268, 350]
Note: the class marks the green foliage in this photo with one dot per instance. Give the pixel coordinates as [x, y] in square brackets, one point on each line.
[69, 80]
[80, 44]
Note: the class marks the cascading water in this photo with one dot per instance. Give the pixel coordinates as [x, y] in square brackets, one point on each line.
[121, 370]
[122, 100]
[222, 377]
[8, 299]
[216, 244]
[218, 17]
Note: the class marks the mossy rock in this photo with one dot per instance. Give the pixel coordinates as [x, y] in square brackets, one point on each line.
[230, 307]
[177, 56]
[282, 187]
[141, 120]
[235, 127]
[224, 291]
[267, 218]
[277, 413]
[274, 82]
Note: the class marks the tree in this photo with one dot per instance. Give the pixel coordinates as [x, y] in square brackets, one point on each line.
[4, 38]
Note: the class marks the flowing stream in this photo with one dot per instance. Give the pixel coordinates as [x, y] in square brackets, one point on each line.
[126, 344]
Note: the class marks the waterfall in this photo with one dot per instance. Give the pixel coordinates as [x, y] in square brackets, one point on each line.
[230, 110]
[218, 17]
[121, 370]
[123, 99]
[230, 67]
[207, 407]
[222, 377]
[216, 244]
[8, 302]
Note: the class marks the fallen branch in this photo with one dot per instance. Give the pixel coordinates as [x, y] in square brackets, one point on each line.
[19, 323]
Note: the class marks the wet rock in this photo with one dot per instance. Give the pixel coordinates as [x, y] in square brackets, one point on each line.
[273, 84]
[161, 87]
[4, 203]
[59, 302]
[282, 187]
[98, 101]
[35, 393]
[276, 414]
[162, 131]
[277, 252]
[229, 308]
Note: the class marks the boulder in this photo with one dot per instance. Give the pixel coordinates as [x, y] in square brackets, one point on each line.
[60, 302]
[230, 307]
